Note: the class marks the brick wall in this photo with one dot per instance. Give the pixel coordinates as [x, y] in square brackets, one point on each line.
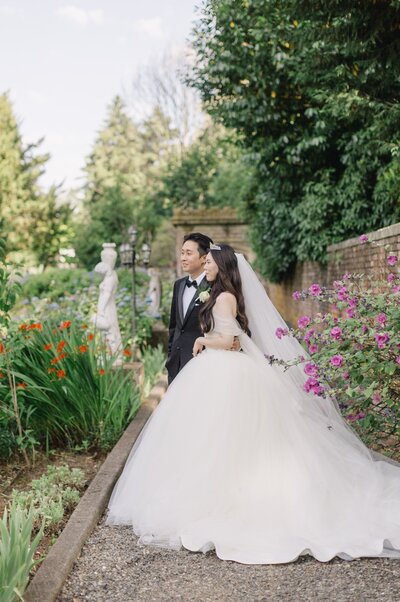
[347, 256]
[222, 225]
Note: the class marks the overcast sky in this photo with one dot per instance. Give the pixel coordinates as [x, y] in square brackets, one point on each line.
[63, 62]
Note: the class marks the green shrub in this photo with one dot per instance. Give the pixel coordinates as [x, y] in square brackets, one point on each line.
[153, 361]
[52, 495]
[56, 283]
[16, 551]
[355, 350]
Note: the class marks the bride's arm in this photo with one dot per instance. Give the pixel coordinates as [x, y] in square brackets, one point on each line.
[226, 306]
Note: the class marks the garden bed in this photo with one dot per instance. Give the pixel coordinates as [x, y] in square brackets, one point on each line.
[15, 475]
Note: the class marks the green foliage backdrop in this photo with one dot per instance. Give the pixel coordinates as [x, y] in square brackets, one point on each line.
[313, 89]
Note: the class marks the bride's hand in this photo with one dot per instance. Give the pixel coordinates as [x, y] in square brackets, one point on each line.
[197, 348]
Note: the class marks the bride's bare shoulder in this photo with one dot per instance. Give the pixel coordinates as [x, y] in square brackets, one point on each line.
[226, 299]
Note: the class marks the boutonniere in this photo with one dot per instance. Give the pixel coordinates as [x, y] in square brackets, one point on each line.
[204, 295]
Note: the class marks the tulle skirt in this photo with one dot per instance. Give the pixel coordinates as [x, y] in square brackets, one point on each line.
[227, 462]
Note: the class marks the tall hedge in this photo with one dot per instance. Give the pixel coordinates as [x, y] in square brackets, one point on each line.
[313, 89]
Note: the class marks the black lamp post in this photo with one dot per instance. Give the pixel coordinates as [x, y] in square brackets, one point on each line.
[128, 259]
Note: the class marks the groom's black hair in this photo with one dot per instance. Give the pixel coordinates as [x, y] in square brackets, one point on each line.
[203, 241]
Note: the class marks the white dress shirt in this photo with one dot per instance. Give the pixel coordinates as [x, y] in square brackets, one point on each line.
[190, 291]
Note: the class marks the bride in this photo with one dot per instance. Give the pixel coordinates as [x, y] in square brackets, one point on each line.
[238, 457]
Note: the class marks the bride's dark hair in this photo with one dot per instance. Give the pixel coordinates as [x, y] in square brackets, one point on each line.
[227, 280]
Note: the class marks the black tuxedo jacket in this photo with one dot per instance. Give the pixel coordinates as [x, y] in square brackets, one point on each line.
[183, 329]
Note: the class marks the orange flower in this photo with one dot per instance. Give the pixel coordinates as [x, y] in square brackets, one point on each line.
[83, 348]
[50, 370]
[22, 385]
[61, 373]
[22, 327]
[65, 324]
[102, 372]
[2, 348]
[1, 375]
[35, 326]
[84, 326]
[60, 346]
[48, 346]
[90, 336]
[57, 359]
[127, 353]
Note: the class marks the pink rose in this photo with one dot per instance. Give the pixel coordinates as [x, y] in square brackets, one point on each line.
[381, 319]
[313, 386]
[296, 295]
[337, 360]
[342, 293]
[336, 332]
[398, 359]
[303, 322]
[353, 302]
[313, 349]
[309, 334]
[315, 290]
[350, 312]
[391, 278]
[346, 276]
[310, 382]
[311, 369]
[281, 332]
[363, 239]
[381, 339]
[376, 397]
[392, 259]
[346, 375]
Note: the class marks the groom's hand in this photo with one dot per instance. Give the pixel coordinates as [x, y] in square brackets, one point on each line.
[197, 348]
[235, 344]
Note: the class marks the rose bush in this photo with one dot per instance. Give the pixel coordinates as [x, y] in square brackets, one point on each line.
[355, 349]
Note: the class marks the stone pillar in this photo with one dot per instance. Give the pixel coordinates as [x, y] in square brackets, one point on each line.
[223, 225]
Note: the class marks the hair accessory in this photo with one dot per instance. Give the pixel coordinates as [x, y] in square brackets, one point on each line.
[215, 247]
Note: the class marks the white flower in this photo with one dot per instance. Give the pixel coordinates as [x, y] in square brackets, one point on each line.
[204, 296]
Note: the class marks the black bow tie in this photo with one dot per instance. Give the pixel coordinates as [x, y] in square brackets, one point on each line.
[191, 283]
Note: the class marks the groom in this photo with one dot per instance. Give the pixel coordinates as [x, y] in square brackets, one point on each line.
[184, 327]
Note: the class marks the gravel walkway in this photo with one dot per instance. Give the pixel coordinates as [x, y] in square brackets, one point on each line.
[112, 568]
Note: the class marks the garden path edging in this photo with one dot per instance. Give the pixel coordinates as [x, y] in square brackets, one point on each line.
[49, 579]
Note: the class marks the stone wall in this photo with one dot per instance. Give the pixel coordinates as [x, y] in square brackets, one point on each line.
[347, 256]
[222, 225]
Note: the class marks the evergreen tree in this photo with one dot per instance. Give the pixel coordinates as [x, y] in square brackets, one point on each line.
[50, 227]
[20, 169]
[123, 179]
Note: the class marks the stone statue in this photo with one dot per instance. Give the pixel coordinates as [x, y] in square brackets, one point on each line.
[106, 318]
[154, 293]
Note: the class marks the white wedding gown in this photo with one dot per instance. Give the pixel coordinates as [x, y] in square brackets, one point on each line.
[232, 459]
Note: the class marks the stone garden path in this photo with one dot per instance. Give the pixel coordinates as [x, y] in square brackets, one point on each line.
[112, 568]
